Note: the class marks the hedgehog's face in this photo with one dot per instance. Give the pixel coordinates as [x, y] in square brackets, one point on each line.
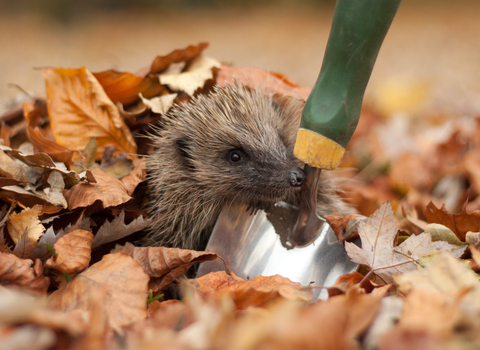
[249, 164]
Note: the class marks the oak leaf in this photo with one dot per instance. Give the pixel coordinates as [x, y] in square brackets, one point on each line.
[254, 292]
[164, 265]
[11, 169]
[126, 285]
[117, 229]
[378, 252]
[79, 109]
[72, 252]
[20, 273]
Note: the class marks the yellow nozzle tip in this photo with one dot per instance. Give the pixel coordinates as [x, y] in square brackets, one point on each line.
[317, 151]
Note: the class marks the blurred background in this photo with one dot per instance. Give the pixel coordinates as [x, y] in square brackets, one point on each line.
[430, 56]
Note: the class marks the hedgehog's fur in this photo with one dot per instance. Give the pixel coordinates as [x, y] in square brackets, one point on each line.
[190, 174]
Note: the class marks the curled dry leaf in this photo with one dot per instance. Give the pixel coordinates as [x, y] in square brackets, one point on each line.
[164, 265]
[161, 63]
[137, 175]
[125, 87]
[20, 273]
[26, 220]
[460, 224]
[345, 227]
[254, 292]
[73, 252]
[378, 251]
[160, 104]
[194, 78]
[110, 191]
[79, 109]
[11, 169]
[125, 281]
[43, 144]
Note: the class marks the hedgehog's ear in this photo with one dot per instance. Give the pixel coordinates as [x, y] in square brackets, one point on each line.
[184, 151]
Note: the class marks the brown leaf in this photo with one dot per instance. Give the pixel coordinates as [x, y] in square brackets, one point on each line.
[161, 63]
[125, 87]
[26, 220]
[343, 227]
[117, 229]
[53, 149]
[254, 292]
[108, 190]
[137, 175]
[73, 252]
[344, 282]
[5, 133]
[164, 265]
[270, 82]
[460, 224]
[21, 274]
[79, 109]
[27, 199]
[408, 171]
[172, 314]
[125, 281]
[11, 169]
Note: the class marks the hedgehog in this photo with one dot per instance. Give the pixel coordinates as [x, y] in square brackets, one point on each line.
[232, 145]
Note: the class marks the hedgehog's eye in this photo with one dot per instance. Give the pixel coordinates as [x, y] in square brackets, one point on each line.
[235, 156]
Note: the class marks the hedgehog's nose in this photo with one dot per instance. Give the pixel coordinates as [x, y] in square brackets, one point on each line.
[297, 176]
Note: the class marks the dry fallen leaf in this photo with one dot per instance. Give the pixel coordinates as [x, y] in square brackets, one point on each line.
[164, 265]
[110, 191]
[20, 273]
[124, 87]
[161, 63]
[194, 78]
[160, 104]
[460, 224]
[73, 252]
[79, 109]
[11, 169]
[126, 284]
[26, 220]
[254, 292]
[117, 229]
[378, 252]
[444, 275]
[43, 144]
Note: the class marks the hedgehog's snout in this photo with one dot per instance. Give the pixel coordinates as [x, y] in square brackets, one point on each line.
[297, 176]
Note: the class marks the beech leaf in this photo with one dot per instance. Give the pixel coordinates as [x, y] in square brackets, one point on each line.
[20, 273]
[126, 285]
[26, 221]
[253, 292]
[110, 191]
[164, 265]
[73, 252]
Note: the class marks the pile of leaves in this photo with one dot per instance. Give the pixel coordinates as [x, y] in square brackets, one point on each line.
[71, 189]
